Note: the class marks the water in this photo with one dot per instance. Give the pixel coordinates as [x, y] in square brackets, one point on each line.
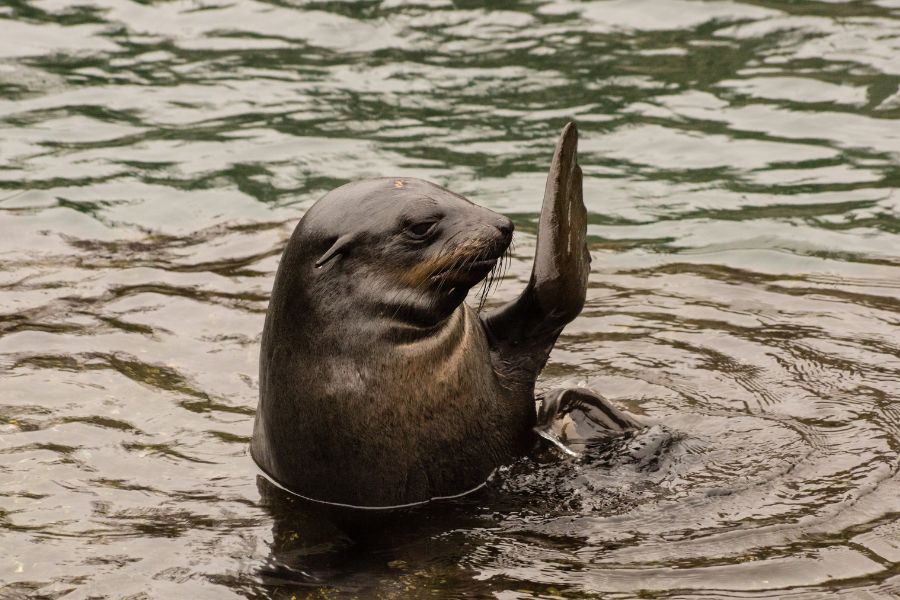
[741, 162]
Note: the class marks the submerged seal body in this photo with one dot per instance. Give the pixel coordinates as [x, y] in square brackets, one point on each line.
[379, 385]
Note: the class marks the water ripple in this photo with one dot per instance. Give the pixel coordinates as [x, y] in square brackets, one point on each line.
[740, 163]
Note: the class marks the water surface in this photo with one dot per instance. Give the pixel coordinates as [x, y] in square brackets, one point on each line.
[741, 165]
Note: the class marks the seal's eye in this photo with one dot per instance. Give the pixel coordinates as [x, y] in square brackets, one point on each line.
[421, 229]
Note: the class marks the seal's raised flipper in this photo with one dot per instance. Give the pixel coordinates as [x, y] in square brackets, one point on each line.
[523, 331]
[573, 418]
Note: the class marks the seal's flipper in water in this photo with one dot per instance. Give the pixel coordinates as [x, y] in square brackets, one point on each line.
[523, 331]
[573, 418]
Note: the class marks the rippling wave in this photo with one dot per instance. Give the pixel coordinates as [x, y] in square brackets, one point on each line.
[740, 159]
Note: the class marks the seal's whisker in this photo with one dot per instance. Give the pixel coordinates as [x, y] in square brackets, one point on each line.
[495, 277]
[492, 282]
[505, 261]
[486, 285]
[509, 257]
[484, 292]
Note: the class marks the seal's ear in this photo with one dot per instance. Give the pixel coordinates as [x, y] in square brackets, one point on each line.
[336, 248]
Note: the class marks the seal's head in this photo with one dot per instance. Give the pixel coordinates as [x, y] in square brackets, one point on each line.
[402, 249]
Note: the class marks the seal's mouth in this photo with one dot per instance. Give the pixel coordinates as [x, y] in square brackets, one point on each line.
[465, 272]
[450, 274]
[487, 267]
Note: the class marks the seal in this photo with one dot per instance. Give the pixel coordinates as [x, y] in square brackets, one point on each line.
[379, 386]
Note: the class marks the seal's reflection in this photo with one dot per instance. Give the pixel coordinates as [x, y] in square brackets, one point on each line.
[315, 544]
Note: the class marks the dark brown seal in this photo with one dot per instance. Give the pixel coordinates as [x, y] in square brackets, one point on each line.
[379, 386]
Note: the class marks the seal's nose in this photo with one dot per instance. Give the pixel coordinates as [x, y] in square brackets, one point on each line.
[505, 226]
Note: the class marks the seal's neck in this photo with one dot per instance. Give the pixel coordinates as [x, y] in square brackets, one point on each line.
[405, 316]
[448, 330]
[445, 353]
